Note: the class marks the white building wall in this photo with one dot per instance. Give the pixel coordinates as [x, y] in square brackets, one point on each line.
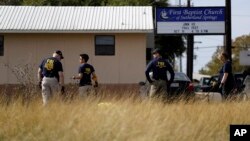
[127, 66]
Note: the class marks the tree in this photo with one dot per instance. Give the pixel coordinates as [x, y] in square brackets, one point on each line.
[62, 2]
[241, 43]
[172, 46]
[214, 65]
[33, 2]
[92, 2]
[10, 2]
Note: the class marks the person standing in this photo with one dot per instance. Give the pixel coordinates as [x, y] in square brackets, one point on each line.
[226, 78]
[50, 74]
[86, 73]
[159, 67]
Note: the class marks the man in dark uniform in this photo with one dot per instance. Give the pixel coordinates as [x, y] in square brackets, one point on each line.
[86, 74]
[226, 78]
[50, 73]
[159, 67]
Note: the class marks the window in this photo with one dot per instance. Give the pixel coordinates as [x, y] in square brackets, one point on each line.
[1, 45]
[104, 45]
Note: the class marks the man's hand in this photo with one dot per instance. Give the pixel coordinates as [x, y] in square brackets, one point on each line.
[62, 89]
[150, 82]
[221, 85]
[40, 84]
[168, 85]
[96, 84]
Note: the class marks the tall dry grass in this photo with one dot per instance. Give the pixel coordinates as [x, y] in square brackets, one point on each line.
[107, 117]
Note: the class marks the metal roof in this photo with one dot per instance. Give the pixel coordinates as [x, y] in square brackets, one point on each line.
[75, 19]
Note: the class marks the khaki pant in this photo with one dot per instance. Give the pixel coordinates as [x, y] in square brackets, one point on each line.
[158, 88]
[50, 86]
[84, 91]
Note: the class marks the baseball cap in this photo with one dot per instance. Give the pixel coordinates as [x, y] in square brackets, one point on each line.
[157, 50]
[59, 53]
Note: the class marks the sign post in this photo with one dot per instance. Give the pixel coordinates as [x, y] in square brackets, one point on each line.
[228, 46]
[190, 53]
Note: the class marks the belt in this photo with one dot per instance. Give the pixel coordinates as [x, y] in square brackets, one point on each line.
[86, 84]
[161, 79]
[49, 76]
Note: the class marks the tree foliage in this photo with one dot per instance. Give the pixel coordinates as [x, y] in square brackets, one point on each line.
[84, 2]
[214, 65]
[172, 46]
[240, 44]
[11, 2]
[33, 2]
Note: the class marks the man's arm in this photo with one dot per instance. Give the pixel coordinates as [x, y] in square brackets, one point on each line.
[78, 77]
[171, 71]
[224, 78]
[61, 78]
[148, 69]
[226, 70]
[39, 74]
[94, 78]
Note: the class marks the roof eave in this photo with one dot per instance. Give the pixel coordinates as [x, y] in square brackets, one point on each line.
[78, 31]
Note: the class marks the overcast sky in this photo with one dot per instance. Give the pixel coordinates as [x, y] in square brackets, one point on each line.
[240, 26]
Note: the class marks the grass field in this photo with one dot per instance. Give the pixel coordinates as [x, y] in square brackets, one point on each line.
[113, 118]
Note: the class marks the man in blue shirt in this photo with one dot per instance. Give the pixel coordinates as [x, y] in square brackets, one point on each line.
[86, 74]
[159, 84]
[226, 78]
[50, 74]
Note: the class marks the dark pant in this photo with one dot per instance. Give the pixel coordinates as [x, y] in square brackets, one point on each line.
[226, 91]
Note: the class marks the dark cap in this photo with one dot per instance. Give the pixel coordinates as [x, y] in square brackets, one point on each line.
[157, 50]
[59, 53]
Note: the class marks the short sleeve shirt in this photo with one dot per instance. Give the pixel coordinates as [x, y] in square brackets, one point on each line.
[159, 67]
[50, 67]
[86, 70]
[227, 68]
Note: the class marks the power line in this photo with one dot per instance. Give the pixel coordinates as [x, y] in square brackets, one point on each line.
[213, 38]
[241, 15]
[207, 47]
[233, 47]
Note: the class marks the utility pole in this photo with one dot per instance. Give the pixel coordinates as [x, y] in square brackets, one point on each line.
[181, 55]
[190, 51]
[228, 46]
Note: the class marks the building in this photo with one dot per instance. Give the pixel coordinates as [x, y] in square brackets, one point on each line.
[114, 37]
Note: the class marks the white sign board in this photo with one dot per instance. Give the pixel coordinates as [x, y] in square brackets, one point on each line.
[190, 20]
[245, 58]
